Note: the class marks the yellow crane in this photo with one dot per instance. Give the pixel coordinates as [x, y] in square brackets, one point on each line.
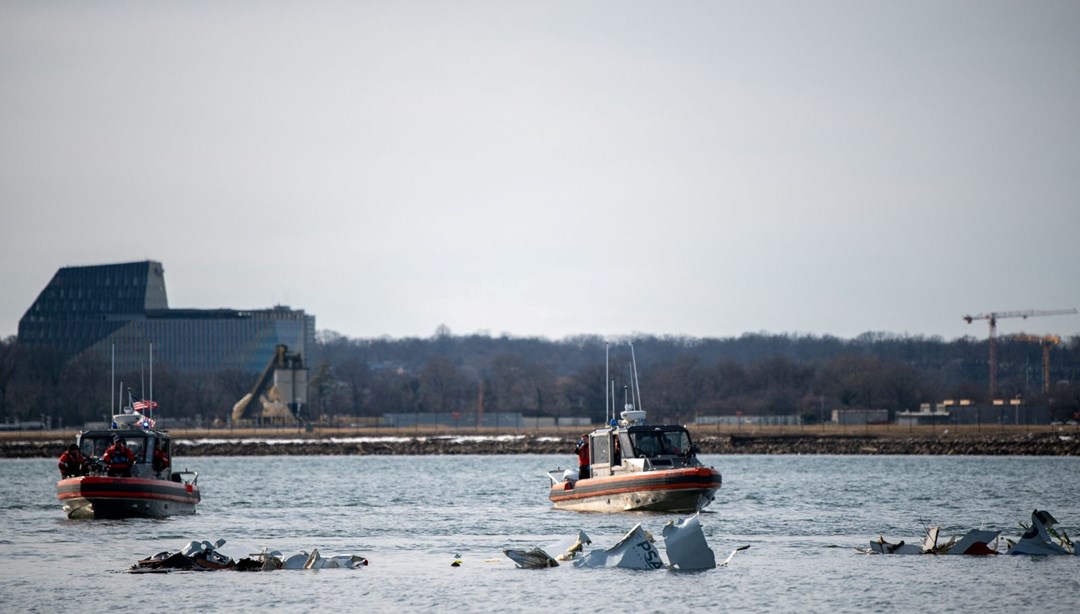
[1046, 341]
[993, 317]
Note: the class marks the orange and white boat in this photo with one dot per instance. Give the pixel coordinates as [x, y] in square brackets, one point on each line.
[145, 493]
[634, 466]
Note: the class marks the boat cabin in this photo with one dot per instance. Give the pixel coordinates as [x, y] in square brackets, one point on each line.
[630, 448]
[141, 442]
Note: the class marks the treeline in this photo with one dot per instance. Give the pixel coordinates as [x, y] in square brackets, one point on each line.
[681, 377]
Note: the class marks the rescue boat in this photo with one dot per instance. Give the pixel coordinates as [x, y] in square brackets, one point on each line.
[146, 493]
[659, 472]
[634, 466]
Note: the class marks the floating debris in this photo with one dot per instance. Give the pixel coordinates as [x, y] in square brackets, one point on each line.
[974, 542]
[206, 556]
[1039, 538]
[732, 555]
[538, 558]
[686, 545]
[684, 542]
[634, 551]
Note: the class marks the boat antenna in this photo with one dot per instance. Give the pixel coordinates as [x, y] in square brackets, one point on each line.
[150, 405]
[607, 378]
[636, 381]
[612, 408]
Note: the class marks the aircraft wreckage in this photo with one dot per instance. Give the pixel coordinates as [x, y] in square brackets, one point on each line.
[206, 556]
[1039, 538]
[684, 542]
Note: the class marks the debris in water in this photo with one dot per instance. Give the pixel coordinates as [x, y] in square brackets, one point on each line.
[1039, 538]
[684, 542]
[539, 558]
[686, 545]
[204, 556]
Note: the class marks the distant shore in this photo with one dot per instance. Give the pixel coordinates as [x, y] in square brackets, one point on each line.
[1045, 442]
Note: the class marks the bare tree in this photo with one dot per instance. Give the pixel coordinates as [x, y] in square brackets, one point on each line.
[442, 386]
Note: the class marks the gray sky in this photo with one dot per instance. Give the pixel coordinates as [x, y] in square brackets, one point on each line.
[553, 168]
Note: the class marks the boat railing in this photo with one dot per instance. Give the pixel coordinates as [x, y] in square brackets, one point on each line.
[560, 475]
[186, 477]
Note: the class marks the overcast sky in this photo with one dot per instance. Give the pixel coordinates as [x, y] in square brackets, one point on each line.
[553, 168]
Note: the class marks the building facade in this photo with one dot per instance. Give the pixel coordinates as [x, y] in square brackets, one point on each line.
[122, 311]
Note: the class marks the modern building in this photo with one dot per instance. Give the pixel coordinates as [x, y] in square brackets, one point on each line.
[123, 310]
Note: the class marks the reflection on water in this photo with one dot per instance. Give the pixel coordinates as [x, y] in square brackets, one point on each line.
[410, 516]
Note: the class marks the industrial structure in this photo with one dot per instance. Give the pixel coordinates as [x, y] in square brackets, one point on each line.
[1001, 412]
[1047, 342]
[281, 391]
[116, 311]
[993, 317]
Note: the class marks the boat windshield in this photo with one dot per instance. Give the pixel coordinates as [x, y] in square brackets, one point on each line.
[138, 447]
[95, 446]
[656, 443]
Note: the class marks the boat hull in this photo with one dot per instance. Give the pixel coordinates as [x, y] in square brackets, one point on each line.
[91, 497]
[672, 490]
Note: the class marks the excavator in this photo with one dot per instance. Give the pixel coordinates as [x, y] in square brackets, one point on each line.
[281, 391]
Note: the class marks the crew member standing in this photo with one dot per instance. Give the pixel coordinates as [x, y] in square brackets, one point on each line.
[582, 451]
[119, 459]
[161, 459]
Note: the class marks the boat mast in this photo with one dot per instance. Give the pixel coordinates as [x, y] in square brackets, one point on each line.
[150, 406]
[612, 408]
[607, 379]
[112, 381]
[636, 382]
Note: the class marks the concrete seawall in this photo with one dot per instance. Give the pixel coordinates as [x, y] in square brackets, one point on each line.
[1031, 444]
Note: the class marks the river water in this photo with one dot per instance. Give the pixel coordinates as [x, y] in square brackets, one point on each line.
[412, 516]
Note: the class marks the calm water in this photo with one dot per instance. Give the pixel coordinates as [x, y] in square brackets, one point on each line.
[410, 516]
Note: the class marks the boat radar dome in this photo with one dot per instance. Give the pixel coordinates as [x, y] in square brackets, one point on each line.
[633, 416]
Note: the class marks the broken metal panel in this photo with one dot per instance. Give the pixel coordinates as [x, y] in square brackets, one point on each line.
[976, 541]
[539, 558]
[686, 546]
[634, 551]
[536, 558]
[1039, 537]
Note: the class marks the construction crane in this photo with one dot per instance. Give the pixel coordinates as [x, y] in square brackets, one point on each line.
[1046, 341]
[993, 317]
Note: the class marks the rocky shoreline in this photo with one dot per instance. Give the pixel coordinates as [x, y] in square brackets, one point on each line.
[1030, 444]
